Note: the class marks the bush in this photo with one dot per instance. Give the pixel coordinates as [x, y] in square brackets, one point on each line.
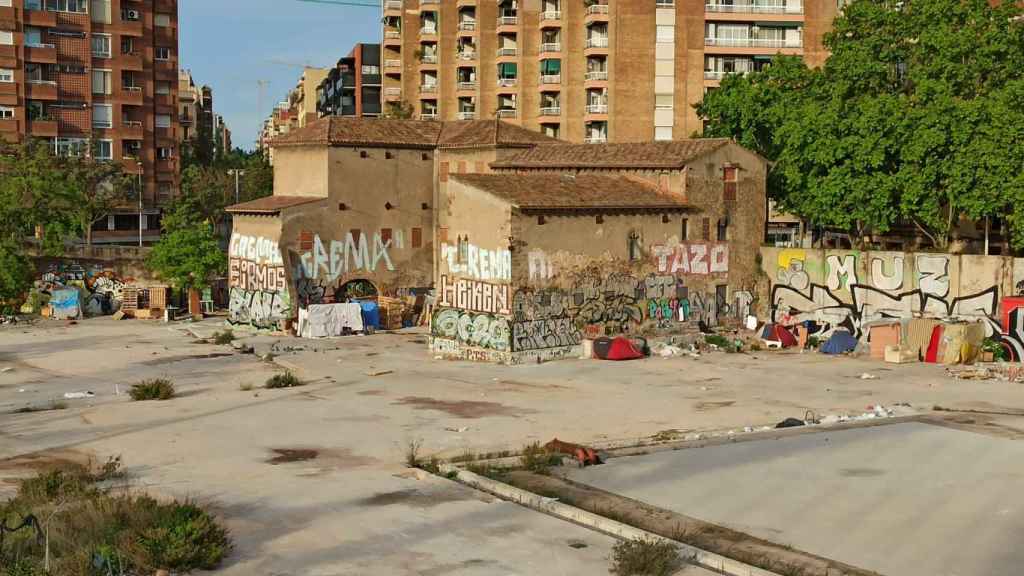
[155, 389]
[716, 340]
[182, 537]
[642, 557]
[536, 459]
[225, 337]
[284, 380]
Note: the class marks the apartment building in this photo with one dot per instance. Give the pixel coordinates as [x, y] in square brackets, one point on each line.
[72, 71]
[353, 86]
[302, 99]
[190, 102]
[586, 70]
[222, 134]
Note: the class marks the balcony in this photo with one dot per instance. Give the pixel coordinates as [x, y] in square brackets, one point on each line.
[428, 31]
[428, 116]
[132, 95]
[467, 86]
[596, 76]
[424, 2]
[597, 108]
[468, 55]
[131, 28]
[132, 62]
[507, 82]
[392, 67]
[467, 26]
[550, 79]
[41, 18]
[754, 42]
[131, 163]
[9, 126]
[550, 15]
[41, 53]
[428, 59]
[755, 8]
[132, 129]
[600, 139]
[597, 13]
[185, 120]
[165, 36]
[392, 35]
[41, 90]
[550, 111]
[428, 88]
[506, 113]
[392, 5]
[42, 128]
[507, 52]
[597, 42]
[551, 47]
[467, 115]
[507, 21]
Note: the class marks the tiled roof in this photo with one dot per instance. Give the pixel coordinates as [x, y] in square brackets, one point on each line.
[566, 192]
[479, 133]
[272, 204]
[639, 155]
[394, 133]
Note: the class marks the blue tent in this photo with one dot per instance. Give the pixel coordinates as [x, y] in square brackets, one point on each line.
[841, 342]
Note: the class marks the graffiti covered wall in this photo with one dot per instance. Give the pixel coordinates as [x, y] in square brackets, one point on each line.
[850, 289]
[100, 283]
[258, 282]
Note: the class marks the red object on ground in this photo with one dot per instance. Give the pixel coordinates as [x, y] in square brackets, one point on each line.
[585, 456]
[780, 333]
[932, 355]
[623, 349]
[1010, 303]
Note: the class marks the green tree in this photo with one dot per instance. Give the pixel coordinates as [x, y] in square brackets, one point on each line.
[915, 115]
[401, 110]
[96, 188]
[205, 192]
[188, 254]
[16, 272]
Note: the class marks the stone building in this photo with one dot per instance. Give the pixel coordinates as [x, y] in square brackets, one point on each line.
[529, 244]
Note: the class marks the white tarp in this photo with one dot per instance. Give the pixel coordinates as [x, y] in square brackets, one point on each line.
[326, 320]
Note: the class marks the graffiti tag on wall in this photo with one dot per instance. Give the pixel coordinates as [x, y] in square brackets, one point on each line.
[103, 288]
[700, 259]
[355, 253]
[479, 330]
[477, 263]
[474, 296]
[258, 282]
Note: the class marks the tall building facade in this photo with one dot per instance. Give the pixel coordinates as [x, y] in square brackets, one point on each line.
[586, 70]
[353, 86]
[106, 71]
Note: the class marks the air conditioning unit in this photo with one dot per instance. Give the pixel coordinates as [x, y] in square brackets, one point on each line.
[133, 14]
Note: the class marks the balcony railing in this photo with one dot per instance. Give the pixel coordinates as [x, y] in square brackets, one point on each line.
[596, 75]
[597, 9]
[551, 47]
[754, 42]
[550, 78]
[595, 139]
[392, 35]
[392, 4]
[597, 42]
[467, 115]
[467, 55]
[508, 20]
[38, 45]
[597, 108]
[507, 51]
[756, 8]
[506, 82]
[551, 111]
[392, 63]
[428, 88]
[428, 59]
[507, 113]
[392, 91]
[430, 1]
[471, 85]
[428, 116]
[551, 15]
[428, 30]
[467, 25]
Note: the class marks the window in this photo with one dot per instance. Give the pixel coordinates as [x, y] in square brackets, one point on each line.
[33, 4]
[6, 37]
[663, 101]
[102, 116]
[70, 146]
[100, 11]
[130, 15]
[705, 225]
[33, 36]
[101, 45]
[163, 121]
[71, 69]
[79, 6]
[634, 246]
[723, 230]
[417, 237]
[163, 189]
[662, 133]
[104, 149]
[729, 177]
[684, 230]
[463, 249]
[6, 75]
[6, 112]
[127, 45]
[371, 70]
[6, 3]
[163, 88]
[164, 153]
[163, 53]
[101, 82]
[162, 19]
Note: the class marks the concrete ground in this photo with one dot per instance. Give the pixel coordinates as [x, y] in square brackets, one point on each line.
[909, 499]
[354, 506]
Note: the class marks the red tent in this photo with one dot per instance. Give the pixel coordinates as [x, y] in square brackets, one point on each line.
[620, 348]
[778, 333]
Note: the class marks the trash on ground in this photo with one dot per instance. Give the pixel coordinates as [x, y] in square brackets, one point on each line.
[584, 455]
[868, 376]
[460, 429]
[790, 423]
[380, 372]
[77, 395]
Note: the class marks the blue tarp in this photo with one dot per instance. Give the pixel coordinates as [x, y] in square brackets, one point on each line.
[840, 343]
[371, 314]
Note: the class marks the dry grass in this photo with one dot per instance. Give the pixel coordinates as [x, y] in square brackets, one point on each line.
[284, 380]
[153, 389]
[645, 558]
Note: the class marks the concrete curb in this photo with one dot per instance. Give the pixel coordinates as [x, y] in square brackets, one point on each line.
[593, 521]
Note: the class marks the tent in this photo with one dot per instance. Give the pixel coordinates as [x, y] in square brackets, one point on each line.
[620, 348]
[841, 342]
[778, 333]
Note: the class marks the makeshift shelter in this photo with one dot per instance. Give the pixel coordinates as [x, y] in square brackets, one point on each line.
[66, 303]
[778, 333]
[840, 342]
[620, 348]
[881, 335]
[326, 320]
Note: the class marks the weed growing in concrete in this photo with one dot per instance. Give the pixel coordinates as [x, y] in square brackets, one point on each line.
[641, 557]
[153, 389]
[53, 405]
[245, 386]
[225, 337]
[716, 340]
[75, 527]
[537, 459]
[412, 453]
[284, 380]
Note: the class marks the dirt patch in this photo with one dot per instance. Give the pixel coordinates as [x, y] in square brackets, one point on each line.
[421, 499]
[861, 472]
[286, 455]
[514, 385]
[462, 408]
[371, 393]
[182, 358]
[708, 406]
[711, 537]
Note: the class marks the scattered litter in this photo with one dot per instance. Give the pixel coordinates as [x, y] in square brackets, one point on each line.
[21, 389]
[460, 430]
[380, 373]
[790, 423]
[119, 315]
[693, 437]
[670, 351]
[7, 369]
[77, 395]
[584, 455]
[868, 376]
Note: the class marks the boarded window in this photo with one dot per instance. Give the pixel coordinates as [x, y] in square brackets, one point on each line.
[684, 230]
[706, 229]
[723, 230]
[305, 240]
[417, 237]
[443, 172]
[442, 234]
[729, 177]
[462, 167]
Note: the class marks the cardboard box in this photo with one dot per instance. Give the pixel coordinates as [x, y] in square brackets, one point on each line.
[897, 355]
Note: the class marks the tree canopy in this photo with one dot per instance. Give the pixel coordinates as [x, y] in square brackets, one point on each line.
[916, 116]
[188, 253]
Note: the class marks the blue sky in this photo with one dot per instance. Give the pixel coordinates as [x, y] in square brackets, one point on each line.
[230, 44]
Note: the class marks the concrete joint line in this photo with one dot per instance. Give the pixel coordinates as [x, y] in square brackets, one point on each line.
[593, 521]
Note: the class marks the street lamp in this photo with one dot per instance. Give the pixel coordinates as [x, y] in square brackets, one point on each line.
[141, 170]
[236, 173]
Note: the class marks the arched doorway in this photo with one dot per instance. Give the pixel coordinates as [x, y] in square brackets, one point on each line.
[355, 290]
